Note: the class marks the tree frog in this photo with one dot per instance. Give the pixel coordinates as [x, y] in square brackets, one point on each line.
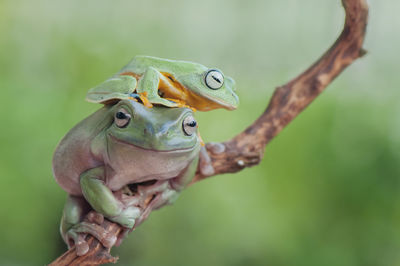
[170, 83]
[154, 150]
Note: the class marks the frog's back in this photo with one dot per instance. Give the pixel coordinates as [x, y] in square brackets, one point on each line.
[73, 155]
[140, 63]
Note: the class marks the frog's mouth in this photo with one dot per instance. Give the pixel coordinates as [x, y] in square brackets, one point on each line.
[133, 163]
[183, 150]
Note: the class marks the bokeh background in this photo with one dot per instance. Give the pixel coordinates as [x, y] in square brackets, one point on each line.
[327, 192]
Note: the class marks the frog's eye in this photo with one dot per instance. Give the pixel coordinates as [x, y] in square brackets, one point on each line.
[122, 118]
[189, 125]
[214, 79]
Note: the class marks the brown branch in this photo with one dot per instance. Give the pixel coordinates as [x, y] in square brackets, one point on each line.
[247, 148]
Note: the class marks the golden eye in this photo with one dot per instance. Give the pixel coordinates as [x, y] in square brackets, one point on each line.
[189, 125]
[214, 79]
[122, 118]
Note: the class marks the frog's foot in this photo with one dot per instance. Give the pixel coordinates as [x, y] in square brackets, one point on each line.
[127, 217]
[215, 147]
[143, 97]
[78, 240]
[132, 98]
[145, 192]
[205, 165]
[77, 234]
[95, 217]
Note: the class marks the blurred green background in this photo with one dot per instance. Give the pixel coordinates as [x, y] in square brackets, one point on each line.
[327, 192]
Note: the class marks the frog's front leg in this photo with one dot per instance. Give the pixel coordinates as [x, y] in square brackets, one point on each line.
[75, 209]
[148, 88]
[146, 191]
[102, 199]
[74, 231]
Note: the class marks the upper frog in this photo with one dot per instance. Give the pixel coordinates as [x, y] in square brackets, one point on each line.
[171, 83]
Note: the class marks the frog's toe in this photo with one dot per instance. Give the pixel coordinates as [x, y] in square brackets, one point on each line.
[205, 166]
[78, 232]
[77, 240]
[215, 147]
[98, 232]
[95, 217]
[127, 217]
[81, 247]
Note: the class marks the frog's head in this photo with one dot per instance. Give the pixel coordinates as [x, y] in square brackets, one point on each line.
[157, 129]
[213, 86]
[149, 143]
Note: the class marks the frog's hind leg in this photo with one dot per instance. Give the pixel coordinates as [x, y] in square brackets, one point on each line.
[74, 231]
[148, 88]
[74, 210]
[78, 233]
[118, 87]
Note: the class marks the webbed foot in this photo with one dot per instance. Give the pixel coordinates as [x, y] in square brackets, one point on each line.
[76, 235]
[143, 97]
[215, 147]
[127, 217]
[149, 100]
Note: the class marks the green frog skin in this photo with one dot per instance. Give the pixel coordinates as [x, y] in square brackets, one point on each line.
[119, 145]
[170, 83]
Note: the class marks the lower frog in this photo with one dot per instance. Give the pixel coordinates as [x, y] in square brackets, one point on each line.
[155, 150]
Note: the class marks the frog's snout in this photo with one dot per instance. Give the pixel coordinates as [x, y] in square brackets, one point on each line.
[148, 131]
[161, 134]
[155, 135]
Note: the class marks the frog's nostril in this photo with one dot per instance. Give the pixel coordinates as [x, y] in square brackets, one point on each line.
[148, 131]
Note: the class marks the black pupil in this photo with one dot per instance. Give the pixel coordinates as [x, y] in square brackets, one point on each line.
[121, 115]
[192, 123]
[216, 79]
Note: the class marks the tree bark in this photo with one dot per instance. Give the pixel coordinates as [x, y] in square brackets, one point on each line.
[247, 148]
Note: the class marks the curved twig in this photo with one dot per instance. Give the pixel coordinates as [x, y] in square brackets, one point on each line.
[247, 148]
